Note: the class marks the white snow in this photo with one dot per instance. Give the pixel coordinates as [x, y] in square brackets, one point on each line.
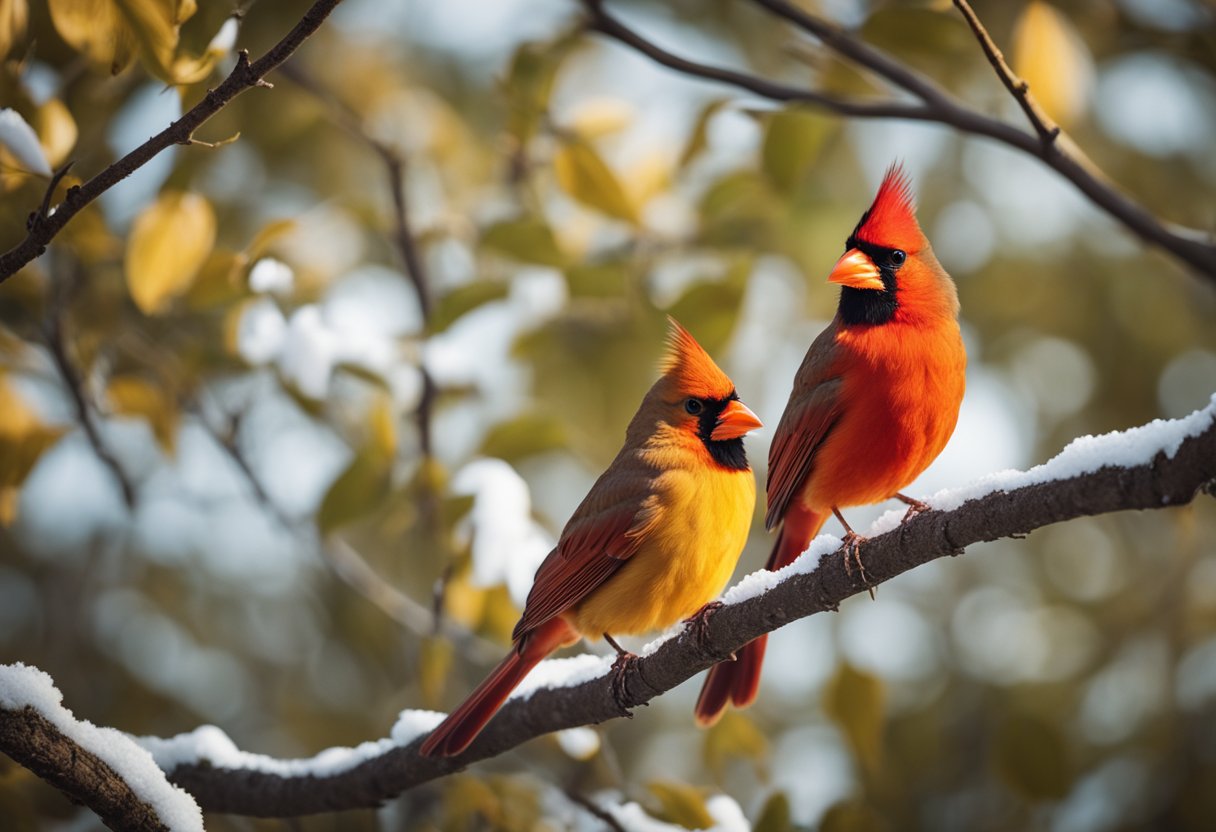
[22, 142]
[563, 673]
[726, 812]
[1086, 454]
[762, 581]
[507, 544]
[210, 744]
[309, 352]
[579, 743]
[23, 686]
[260, 332]
[271, 275]
[225, 38]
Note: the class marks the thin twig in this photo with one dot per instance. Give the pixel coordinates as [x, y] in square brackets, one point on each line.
[593, 808]
[245, 75]
[70, 375]
[1047, 129]
[350, 566]
[1192, 247]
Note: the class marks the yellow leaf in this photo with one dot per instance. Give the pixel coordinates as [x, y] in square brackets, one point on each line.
[168, 245]
[219, 282]
[584, 175]
[463, 602]
[775, 816]
[734, 736]
[56, 130]
[23, 439]
[383, 427]
[649, 177]
[434, 663]
[698, 140]
[527, 239]
[597, 117]
[855, 700]
[97, 29]
[1052, 58]
[14, 15]
[852, 816]
[134, 396]
[681, 803]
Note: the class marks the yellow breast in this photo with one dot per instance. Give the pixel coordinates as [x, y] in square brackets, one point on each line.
[684, 563]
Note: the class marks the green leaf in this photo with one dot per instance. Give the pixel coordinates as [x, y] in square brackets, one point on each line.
[527, 239]
[775, 816]
[603, 279]
[529, 83]
[854, 700]
[713, 306]
[356, 492]
[734, 736]
[793, 140]
[463, 300]
[680, 803]
[588, 179]
[740, 209]
[1032, 757]
[525, 435]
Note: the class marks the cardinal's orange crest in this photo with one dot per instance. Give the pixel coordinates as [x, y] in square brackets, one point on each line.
[891, 220]
[689, 366]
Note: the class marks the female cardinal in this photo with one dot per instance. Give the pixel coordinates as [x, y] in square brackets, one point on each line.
[655, 539]
[874, 402]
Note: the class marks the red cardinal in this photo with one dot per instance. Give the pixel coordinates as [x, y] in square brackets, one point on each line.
[874, 402]
[655, 539]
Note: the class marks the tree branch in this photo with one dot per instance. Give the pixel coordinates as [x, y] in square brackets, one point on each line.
[45, 223]
[1192, 247]
[1047, 129]
[33, 741]
[808, 588]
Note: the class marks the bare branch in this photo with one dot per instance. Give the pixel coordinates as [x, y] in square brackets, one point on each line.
[58, 346]
[1164, 481]
[34, 742]
[1047, 129]
[1194, 248]
[45, 224]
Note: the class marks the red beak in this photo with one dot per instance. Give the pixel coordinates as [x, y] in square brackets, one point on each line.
[857, 270]
[736, 419]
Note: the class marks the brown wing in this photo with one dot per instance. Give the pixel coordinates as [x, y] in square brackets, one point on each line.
[607, 528]
[812, 411]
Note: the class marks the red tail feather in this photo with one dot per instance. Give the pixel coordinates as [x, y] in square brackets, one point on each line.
[737, 682]
[462, 726]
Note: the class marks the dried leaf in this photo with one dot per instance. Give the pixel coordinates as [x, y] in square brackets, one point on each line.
[170, 241]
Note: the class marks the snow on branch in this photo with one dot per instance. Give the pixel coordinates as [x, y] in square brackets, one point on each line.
[99, 767]
[1165, 463]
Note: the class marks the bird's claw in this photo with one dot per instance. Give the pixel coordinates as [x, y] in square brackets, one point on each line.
[915, 507]
[852, 554]
[625, 661]
[699, 621]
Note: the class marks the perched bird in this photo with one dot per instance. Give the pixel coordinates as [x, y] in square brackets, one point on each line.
[873, 404]
[655, 539]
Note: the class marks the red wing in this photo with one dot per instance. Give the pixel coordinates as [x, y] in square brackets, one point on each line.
[812, 411]
[603, 534]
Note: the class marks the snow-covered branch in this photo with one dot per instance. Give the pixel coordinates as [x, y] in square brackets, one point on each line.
[102, 768]
[1166, 463]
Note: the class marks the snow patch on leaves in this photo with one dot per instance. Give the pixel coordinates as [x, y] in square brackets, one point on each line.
[20, 139]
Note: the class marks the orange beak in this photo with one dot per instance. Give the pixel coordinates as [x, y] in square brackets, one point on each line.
[736, 419]
[857, 270]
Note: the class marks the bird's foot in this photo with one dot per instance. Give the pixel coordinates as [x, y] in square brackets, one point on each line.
[699, 621]
[852, 555]
[625, 661]
[915, 507]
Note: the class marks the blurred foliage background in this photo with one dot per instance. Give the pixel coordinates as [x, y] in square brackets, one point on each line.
[239, 325]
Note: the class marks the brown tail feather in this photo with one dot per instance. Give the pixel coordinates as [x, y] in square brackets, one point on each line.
[737, 682]
[462, 726]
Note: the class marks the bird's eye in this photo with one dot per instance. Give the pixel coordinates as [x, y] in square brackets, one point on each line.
[693, 406]
[898, 258]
